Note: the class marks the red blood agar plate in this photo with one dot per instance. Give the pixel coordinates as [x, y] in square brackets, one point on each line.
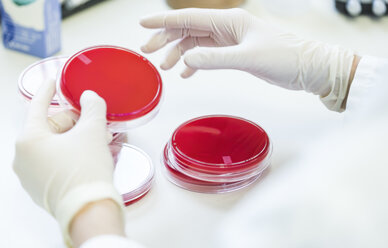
[134, 171]
[130, 85]
[216, 154]
[33, 76]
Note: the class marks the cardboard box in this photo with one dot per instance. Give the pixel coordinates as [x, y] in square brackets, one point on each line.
[31, 26]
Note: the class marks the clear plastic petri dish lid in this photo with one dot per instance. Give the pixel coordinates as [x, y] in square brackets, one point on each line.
[33, 76]
[130, 85]
[200, 186]
[225, 176]
[134, 172]
[219, 144]
[217, 153]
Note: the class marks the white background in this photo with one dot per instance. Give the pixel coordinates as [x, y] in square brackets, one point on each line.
[169, 216]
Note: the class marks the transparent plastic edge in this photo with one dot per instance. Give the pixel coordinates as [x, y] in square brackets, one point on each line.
[221, 177]
[21, 89]
[218, 189]
[146, 183]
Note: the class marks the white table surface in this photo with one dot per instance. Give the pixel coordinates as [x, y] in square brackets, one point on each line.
[169, 216]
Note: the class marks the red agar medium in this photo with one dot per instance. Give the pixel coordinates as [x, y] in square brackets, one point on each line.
[220, 143]
[130, 85]
[216, 154]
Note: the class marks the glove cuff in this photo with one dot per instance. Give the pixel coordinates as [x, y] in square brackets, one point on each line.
[77, 198]
[340, 67]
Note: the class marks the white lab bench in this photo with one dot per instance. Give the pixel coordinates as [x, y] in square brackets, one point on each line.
[170, 216]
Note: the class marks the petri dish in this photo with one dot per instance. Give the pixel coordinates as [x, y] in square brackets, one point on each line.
[134, 172]
[201, 186]
[33, 76]
[217, 153]
[130, 85]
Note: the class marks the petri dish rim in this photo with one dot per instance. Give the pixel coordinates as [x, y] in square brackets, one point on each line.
[145, 185]
[154, 103]
[225, 176]
[195, 185]
[217, 166]
[252, 165]
[21, 87]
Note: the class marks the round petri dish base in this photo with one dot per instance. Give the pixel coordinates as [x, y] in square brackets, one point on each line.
[192, 184]
[181, 181]
[132, 201]
[217, 144]
[216, 154]
[223, 176]
[124, 126]
[134, 172]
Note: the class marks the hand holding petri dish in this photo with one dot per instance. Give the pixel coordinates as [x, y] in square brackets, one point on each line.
[132, 89]
[130, 85]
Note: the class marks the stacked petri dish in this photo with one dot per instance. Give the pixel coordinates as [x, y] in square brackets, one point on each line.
[134, 172]
[216, 154]
[132, 89]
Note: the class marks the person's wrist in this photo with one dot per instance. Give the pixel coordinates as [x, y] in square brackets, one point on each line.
[74, 201]
[97, 218]
[355, 63]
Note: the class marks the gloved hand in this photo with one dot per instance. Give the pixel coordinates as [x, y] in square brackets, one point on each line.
[64, 172]
[235, 39]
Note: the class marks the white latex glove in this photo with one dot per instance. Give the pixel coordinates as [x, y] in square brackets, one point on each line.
[235, 39]
[64, 172]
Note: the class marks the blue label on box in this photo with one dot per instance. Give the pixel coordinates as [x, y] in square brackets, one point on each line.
[28, 39]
